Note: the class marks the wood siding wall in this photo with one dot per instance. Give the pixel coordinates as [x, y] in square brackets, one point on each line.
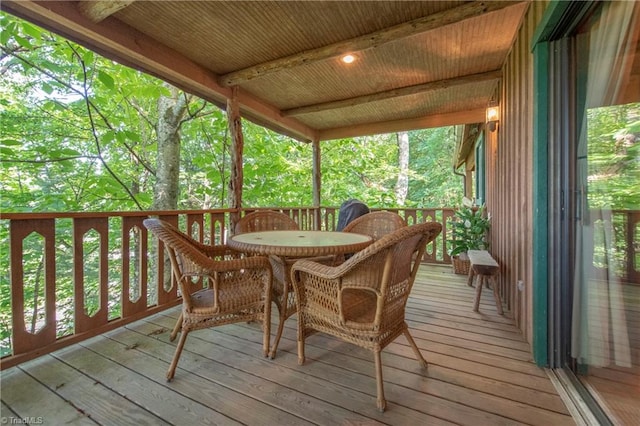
[509, 160]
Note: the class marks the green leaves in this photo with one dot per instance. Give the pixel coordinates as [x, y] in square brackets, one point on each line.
[613, 152]
[7, 31]
[469, 230]
[32, 31]
[106, 79]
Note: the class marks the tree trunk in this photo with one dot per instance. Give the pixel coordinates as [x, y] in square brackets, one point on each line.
[402, 185]
[171, 111]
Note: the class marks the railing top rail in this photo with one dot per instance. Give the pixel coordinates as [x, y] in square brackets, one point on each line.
[67, 215]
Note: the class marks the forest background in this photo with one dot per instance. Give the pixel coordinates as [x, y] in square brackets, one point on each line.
[83, 133]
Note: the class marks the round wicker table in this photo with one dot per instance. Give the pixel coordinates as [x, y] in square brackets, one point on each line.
[284, 248]
[299, 243]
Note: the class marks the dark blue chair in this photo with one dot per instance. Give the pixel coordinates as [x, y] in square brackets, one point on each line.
[350, 210]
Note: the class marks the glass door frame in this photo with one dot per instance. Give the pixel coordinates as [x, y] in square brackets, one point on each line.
[557, 100]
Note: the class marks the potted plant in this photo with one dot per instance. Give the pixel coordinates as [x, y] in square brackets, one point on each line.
[469, 232]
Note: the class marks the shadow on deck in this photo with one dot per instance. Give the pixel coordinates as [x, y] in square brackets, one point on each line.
[480, 373]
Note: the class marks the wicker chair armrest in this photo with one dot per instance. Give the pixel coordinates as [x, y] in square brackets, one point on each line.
[327, 272]
[318, 269]
[325, 281]
[330, 272]
[325, 294]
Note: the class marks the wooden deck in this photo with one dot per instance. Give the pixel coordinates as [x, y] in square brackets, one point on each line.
[480, 373]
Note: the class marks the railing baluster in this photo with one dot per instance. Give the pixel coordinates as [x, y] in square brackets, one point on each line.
[24, 340]
[82, 321]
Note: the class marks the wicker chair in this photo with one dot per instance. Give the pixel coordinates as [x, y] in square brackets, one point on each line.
[376, 224]
[269, 220]
[362, 301]
[265, 220]
[239, 288]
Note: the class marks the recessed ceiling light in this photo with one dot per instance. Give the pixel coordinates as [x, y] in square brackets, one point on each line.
[347, 59]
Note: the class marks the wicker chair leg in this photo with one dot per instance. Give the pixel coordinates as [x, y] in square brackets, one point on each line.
[176, 329]
[416, 351]
[381, 402]
[282, 314]
[176, 356]
[266, 328]
[300, 351]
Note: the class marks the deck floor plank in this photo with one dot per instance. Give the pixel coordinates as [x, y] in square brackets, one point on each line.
[87, 395]
[228, 402]
[331, 404]
[447, 355]
[400, 368]
[146, 392]
[480, 373]
[352, 381]
[398, 357]
[20, 390]
[244, 371]
[422, 316]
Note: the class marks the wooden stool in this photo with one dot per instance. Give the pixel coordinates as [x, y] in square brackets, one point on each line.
[486, 268]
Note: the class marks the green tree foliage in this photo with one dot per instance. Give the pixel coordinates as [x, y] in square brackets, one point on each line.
[277, 170]
[431, 181]
[614, 156]
[67, 142]
[365, 168]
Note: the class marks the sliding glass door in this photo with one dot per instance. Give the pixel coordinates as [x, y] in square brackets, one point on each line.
[606, 291]
[595, 200]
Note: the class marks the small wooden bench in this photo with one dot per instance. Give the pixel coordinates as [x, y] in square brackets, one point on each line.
[486, 268]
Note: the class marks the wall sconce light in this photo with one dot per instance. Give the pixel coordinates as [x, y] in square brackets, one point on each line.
[493, 115]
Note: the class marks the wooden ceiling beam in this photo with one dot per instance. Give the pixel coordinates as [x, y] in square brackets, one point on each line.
[429, 121]
[394, 93]
[365, 42]
[96, 11]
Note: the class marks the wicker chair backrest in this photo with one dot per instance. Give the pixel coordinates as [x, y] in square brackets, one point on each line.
[266, 220]
[391, 256]
[376, 224]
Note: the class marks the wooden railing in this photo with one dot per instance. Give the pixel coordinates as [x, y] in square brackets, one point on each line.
[72, 276]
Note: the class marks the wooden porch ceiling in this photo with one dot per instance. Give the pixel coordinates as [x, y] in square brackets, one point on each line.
[418, 63]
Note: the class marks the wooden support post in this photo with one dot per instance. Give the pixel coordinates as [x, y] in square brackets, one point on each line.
[317, 182]
[237, 148]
